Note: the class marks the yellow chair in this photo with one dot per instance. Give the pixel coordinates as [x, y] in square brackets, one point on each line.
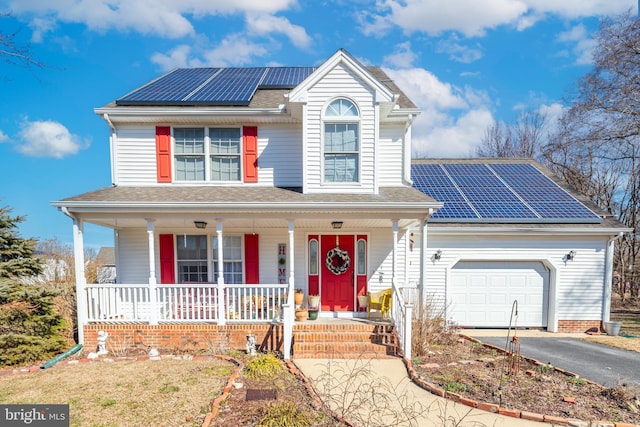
[380, 301]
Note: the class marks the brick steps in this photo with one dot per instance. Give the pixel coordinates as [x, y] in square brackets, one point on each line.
[345, 341]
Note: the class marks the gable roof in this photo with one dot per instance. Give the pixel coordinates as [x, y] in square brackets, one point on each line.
[251, 87]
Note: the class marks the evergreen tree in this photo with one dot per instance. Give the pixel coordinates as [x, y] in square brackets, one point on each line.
[29, 325]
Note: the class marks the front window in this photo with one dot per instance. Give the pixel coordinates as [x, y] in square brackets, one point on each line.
[192, 259]
[190, 155]
[207, 154]
[225, 154]
[341, 142]
[232, 259]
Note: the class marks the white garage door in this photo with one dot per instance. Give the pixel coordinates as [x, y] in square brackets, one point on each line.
[482, 294]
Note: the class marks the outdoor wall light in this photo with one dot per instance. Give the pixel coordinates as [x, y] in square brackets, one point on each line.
[337, 225]
[200, 224]
[437, 255]
[571, 255]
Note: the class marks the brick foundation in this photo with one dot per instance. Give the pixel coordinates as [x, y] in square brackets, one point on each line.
[578, 325]
[184, 337]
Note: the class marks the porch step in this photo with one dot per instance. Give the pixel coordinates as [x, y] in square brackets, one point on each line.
[344, 340]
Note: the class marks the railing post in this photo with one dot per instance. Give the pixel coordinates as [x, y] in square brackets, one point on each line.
[288, 307]
[153, 315]
[406, 344]
[221, 302]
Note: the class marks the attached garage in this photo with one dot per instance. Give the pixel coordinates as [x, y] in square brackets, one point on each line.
[481, 294]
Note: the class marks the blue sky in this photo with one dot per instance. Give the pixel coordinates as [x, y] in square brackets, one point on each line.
[466, 63]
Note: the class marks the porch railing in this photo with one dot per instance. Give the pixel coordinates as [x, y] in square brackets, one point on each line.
[401, 314]
[184, 303]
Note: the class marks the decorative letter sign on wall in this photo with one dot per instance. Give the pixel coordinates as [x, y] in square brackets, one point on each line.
[282, 263]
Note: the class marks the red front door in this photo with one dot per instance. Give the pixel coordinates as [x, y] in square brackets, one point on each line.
[337, 280]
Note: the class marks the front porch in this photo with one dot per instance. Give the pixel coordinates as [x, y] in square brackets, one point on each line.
[337, 338]
[212, 317]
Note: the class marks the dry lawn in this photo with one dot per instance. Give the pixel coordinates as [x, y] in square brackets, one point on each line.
[629, 338]
[132, 393]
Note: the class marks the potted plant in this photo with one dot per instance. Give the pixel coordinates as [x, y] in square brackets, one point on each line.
[313, 301]
[302, 314]
[298, 297]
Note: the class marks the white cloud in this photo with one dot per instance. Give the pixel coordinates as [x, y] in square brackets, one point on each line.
[552, 113]
[164, 18]
[47, 139]
[403, 57]
[268, 24]
[583, 44]
[459, 52]
[178, 57]
[474, 18]
[235, 50]
[453, 119]
[3, 137]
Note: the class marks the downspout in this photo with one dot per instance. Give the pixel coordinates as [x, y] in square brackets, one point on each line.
[608, 278]
[81, 280]
[112, 147]
[407, 150]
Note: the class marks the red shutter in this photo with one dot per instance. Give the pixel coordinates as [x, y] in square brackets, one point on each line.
[163, 153]
[251, 259]
[167, 267]
[250, 153]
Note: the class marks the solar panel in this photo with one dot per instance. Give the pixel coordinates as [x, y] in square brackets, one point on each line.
[285, 77]
[489, 192]
[170, 88]
[231, 86]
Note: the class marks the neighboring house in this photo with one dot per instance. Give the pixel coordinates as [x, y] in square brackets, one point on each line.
[106, 264]
[301, 177]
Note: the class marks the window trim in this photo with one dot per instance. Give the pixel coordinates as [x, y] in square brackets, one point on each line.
[329, 119]
[208, 154]
[214, 259]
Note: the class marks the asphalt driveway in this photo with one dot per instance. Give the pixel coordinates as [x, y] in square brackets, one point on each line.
[605, 365]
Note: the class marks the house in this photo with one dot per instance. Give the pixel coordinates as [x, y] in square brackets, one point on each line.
[287, 178]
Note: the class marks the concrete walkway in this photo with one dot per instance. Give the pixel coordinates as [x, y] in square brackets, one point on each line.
[378, 392]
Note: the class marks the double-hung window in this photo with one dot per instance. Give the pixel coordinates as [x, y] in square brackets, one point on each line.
[189, 154]
[225, 154]
[192, 259]
[341, 142]
[232, 259]
[208, 154]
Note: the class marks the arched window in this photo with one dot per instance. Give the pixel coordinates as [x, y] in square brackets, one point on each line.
[341, 142]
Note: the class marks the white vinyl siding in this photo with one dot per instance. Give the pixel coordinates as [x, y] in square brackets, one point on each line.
[135, 153]
[390, 156]
[578, 284]
[339, 82]
[133, 256]
[279, 153]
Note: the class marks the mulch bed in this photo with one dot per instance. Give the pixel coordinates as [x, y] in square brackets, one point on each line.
[480, 373]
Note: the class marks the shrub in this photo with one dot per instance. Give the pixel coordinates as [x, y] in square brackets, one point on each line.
[283, 414]
[263, 366]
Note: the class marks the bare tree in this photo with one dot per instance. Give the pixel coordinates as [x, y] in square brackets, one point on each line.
[597, 145]
[523, 139]
[15, 53]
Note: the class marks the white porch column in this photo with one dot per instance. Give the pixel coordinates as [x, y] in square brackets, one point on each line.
[81, 280]
[394, 252]
[221, 316]
[153, 314]
[287, 310]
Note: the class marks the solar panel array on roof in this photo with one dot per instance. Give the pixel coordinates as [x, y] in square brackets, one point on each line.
[491, 192]
[214, 86]
[172, 87]
[285, 77]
